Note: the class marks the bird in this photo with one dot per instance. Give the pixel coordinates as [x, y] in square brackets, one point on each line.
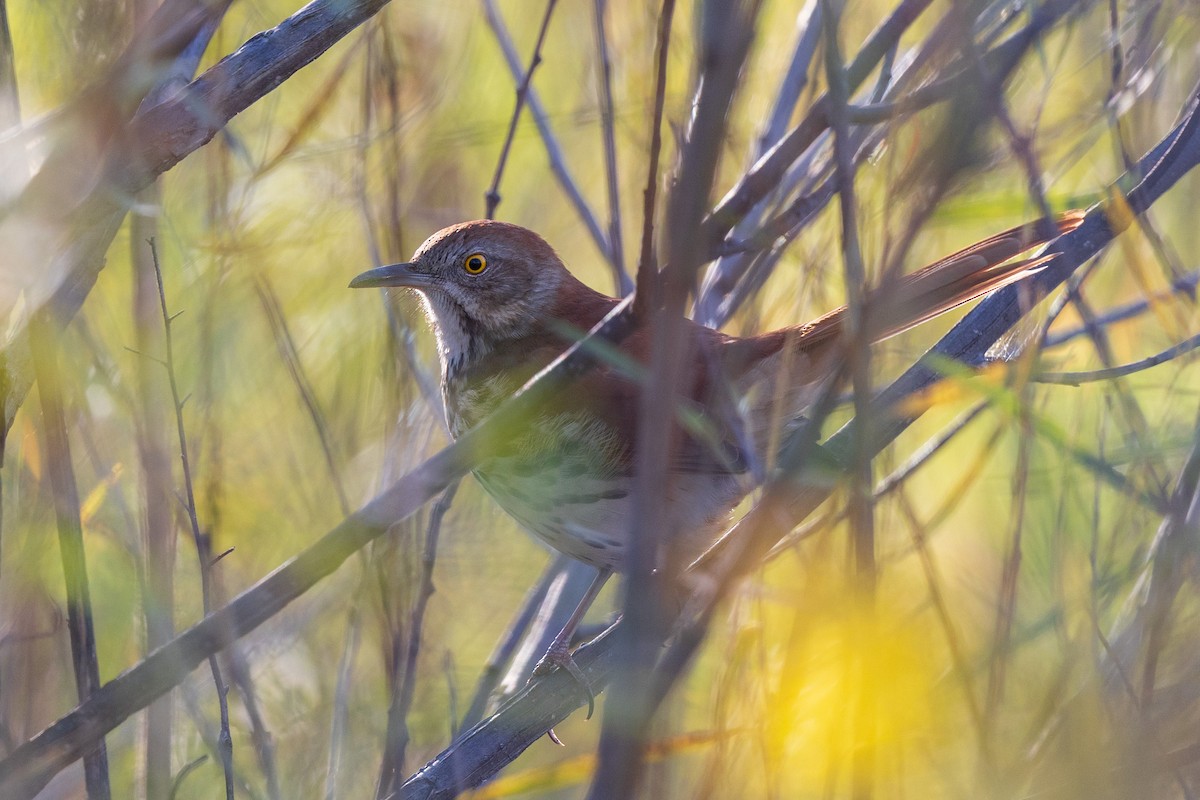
[503, 305]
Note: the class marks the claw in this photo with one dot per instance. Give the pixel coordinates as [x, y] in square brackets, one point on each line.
[560, 656]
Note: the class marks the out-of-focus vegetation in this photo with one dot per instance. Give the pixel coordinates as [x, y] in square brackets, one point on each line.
[1009, 566]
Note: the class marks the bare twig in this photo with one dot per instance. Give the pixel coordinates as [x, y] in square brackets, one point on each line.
[615, 244]
[751, 250]
[1145, 610]
[209, 733]
[968, 340]
[569, 597]
[1185, 285]
[961, 666]
[975, 333]
[1007, 601]
[341, 702]
[1080, 378]
[761, 179]
[492, 196]
[159, 533]
[240, 676]
[392, 769]
[187, 770]
[291, 359]
[225, 741]
[648, 291]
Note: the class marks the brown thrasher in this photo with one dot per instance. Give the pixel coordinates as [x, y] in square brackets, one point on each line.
[504, 306]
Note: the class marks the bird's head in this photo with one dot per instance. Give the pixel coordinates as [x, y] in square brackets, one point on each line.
[482, 282]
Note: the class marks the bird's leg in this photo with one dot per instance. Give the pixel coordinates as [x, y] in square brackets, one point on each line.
[559, 652]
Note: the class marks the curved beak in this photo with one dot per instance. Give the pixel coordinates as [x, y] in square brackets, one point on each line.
[392, 275]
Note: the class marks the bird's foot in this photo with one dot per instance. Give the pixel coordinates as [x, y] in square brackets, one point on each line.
[559, 656]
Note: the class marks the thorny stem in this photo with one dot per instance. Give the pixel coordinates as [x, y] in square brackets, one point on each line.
[225, 742]
[648, 291]
[493, 194]
[615, 243]
[393, 764]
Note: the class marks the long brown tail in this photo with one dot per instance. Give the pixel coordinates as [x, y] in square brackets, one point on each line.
[779, 368]
[956, 279]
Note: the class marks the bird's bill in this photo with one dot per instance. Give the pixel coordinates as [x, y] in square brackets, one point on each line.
[392, 275]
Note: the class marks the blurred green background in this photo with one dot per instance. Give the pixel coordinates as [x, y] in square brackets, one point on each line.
[394, 133]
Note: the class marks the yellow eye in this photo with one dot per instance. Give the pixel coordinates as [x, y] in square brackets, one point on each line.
[475, 264]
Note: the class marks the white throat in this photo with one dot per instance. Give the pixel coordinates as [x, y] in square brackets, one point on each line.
[457, 348]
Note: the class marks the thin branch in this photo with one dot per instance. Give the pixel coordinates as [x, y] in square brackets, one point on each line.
[187, 770]
[341, 702]
[1186, 285]
[225, 740]
[158, 522]
[492, 196]
[615, 244]
[765, 175]
[392, 770]
[478, 754]
[1080, 378]
[782, 502]
[649, 292]
[286, 345]
[737, 275]
[158, 531]
[962, 668]
[1001, 648]
[241, 678]
[1137, 431]
[970, 339]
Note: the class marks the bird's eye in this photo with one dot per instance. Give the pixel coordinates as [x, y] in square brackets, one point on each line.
[475, 264]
